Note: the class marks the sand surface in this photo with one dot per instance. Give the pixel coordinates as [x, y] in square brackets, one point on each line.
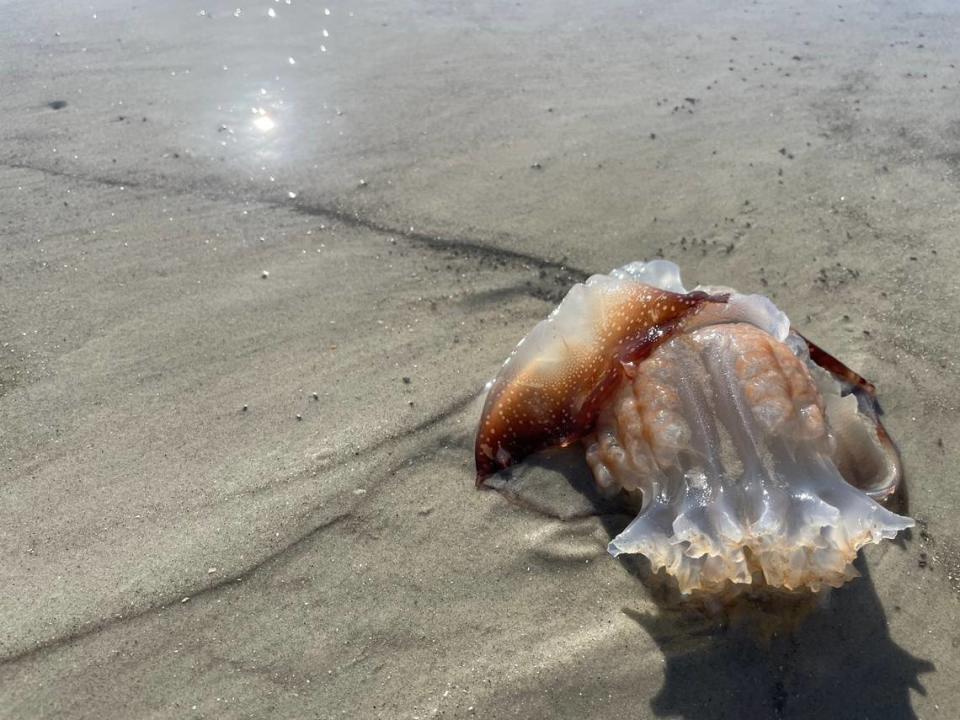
[186, 531]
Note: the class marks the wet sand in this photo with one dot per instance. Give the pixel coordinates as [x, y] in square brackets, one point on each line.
[207, 218]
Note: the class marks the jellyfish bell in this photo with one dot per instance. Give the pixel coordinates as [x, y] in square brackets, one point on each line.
[752, 457]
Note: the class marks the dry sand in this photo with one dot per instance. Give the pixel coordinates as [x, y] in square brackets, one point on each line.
[455, 166]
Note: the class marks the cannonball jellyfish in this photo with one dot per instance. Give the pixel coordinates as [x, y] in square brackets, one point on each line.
[752, 456]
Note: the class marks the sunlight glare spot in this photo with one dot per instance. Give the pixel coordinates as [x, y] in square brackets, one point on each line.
[264, 123]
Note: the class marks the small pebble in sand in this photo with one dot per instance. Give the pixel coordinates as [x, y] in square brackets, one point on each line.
[363, 183]
[211, 571]
[299, 417]
[244, 408]
[316, 396]
[265, 274]
[186, 599]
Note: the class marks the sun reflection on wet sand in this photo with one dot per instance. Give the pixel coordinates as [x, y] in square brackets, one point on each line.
[263, 122]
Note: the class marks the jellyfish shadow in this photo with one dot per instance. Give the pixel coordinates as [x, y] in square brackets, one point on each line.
[838, 663]
[830, 657]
